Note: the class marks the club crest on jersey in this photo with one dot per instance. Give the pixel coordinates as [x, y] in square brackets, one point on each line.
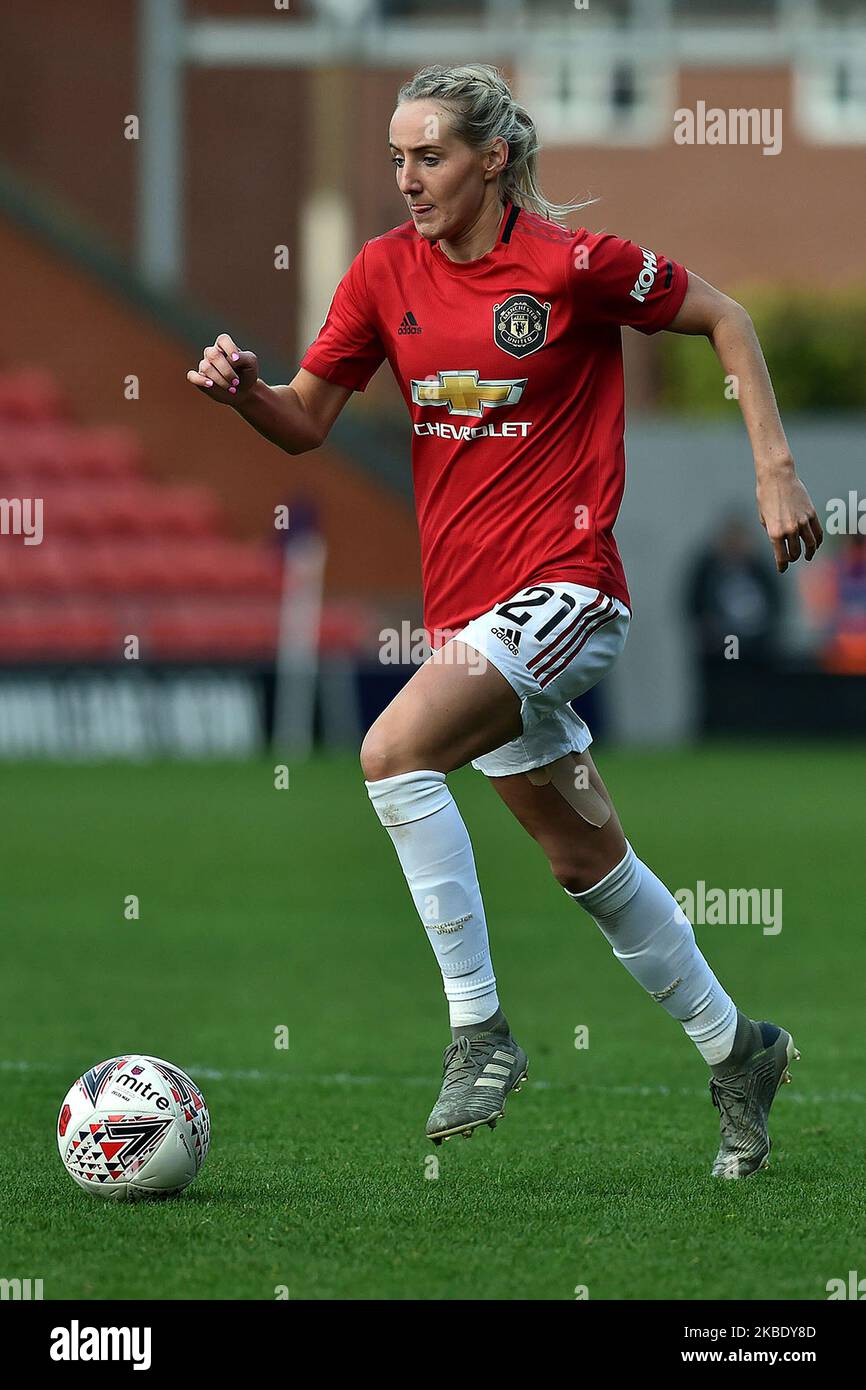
[520, 324]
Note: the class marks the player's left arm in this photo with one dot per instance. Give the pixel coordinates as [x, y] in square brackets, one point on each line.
[786, 510]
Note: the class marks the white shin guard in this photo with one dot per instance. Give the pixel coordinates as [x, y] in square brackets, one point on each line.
[435, 853]
[655, 941]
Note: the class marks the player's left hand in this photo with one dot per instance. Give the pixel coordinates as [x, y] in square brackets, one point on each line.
[788, 516]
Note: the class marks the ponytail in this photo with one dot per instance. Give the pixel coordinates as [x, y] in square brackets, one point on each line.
[484, 108]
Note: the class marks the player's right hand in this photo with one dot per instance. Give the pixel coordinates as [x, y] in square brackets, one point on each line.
[225, 373]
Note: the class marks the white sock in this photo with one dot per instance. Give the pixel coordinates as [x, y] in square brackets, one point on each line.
[655, 941]
[433, 846]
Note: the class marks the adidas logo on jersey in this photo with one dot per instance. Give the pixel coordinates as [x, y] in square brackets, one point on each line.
[409, 324]
[510, 636]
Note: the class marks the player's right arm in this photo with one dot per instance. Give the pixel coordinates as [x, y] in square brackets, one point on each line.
[296, 417]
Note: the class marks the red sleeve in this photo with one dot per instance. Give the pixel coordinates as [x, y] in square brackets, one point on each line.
[615, 281]
[347, 349]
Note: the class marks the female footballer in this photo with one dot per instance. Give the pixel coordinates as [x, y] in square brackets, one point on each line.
[503, 331]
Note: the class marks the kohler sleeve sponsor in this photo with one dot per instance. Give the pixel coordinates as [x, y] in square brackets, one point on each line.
[647, 278]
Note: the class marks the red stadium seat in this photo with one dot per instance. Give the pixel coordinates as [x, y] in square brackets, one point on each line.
[347, 627]
[186, 511]
[29, 393]
[71, 513]
[8, 569]
[104, 453]
[86, 629]
[123, 553]
[36, 569]
[38, 449]
[206, 631]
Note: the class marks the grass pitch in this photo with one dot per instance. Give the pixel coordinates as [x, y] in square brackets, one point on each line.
[262, 909]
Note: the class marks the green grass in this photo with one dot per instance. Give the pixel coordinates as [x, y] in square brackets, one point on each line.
[262, 908]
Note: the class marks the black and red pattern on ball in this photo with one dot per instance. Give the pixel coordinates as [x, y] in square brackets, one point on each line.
[183, 1090]
[94, 1081]
[110, 1150]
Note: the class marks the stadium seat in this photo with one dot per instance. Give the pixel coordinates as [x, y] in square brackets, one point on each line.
[55, 632]
[104, 453]
[186, 511]
[124, 553]
[31, 394]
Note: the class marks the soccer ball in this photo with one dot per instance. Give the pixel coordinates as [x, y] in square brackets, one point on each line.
[133, 1127]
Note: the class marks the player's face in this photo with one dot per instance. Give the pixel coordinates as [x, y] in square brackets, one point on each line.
[441, 178]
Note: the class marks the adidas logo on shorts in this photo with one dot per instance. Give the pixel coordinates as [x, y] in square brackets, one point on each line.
[510, 636]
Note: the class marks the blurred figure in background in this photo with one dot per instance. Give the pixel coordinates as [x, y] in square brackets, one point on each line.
[835, 599]
[731, 593]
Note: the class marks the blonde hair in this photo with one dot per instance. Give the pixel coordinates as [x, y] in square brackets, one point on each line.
[484, 108]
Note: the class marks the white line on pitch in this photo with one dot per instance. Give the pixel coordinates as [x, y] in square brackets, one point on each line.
[345, 1078]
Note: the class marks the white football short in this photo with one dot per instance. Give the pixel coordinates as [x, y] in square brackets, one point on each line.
[551, 642]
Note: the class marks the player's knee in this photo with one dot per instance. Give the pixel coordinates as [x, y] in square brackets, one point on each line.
[384, 755]
[374, 756]
[580, 868]
[575, 875]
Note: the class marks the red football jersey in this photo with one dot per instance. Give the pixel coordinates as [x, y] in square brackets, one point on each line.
[511, 367]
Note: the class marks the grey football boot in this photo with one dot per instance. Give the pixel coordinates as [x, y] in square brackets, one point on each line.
[743, 1088]
[480, 1068]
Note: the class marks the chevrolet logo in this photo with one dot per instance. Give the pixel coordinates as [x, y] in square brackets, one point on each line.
[464, 394]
